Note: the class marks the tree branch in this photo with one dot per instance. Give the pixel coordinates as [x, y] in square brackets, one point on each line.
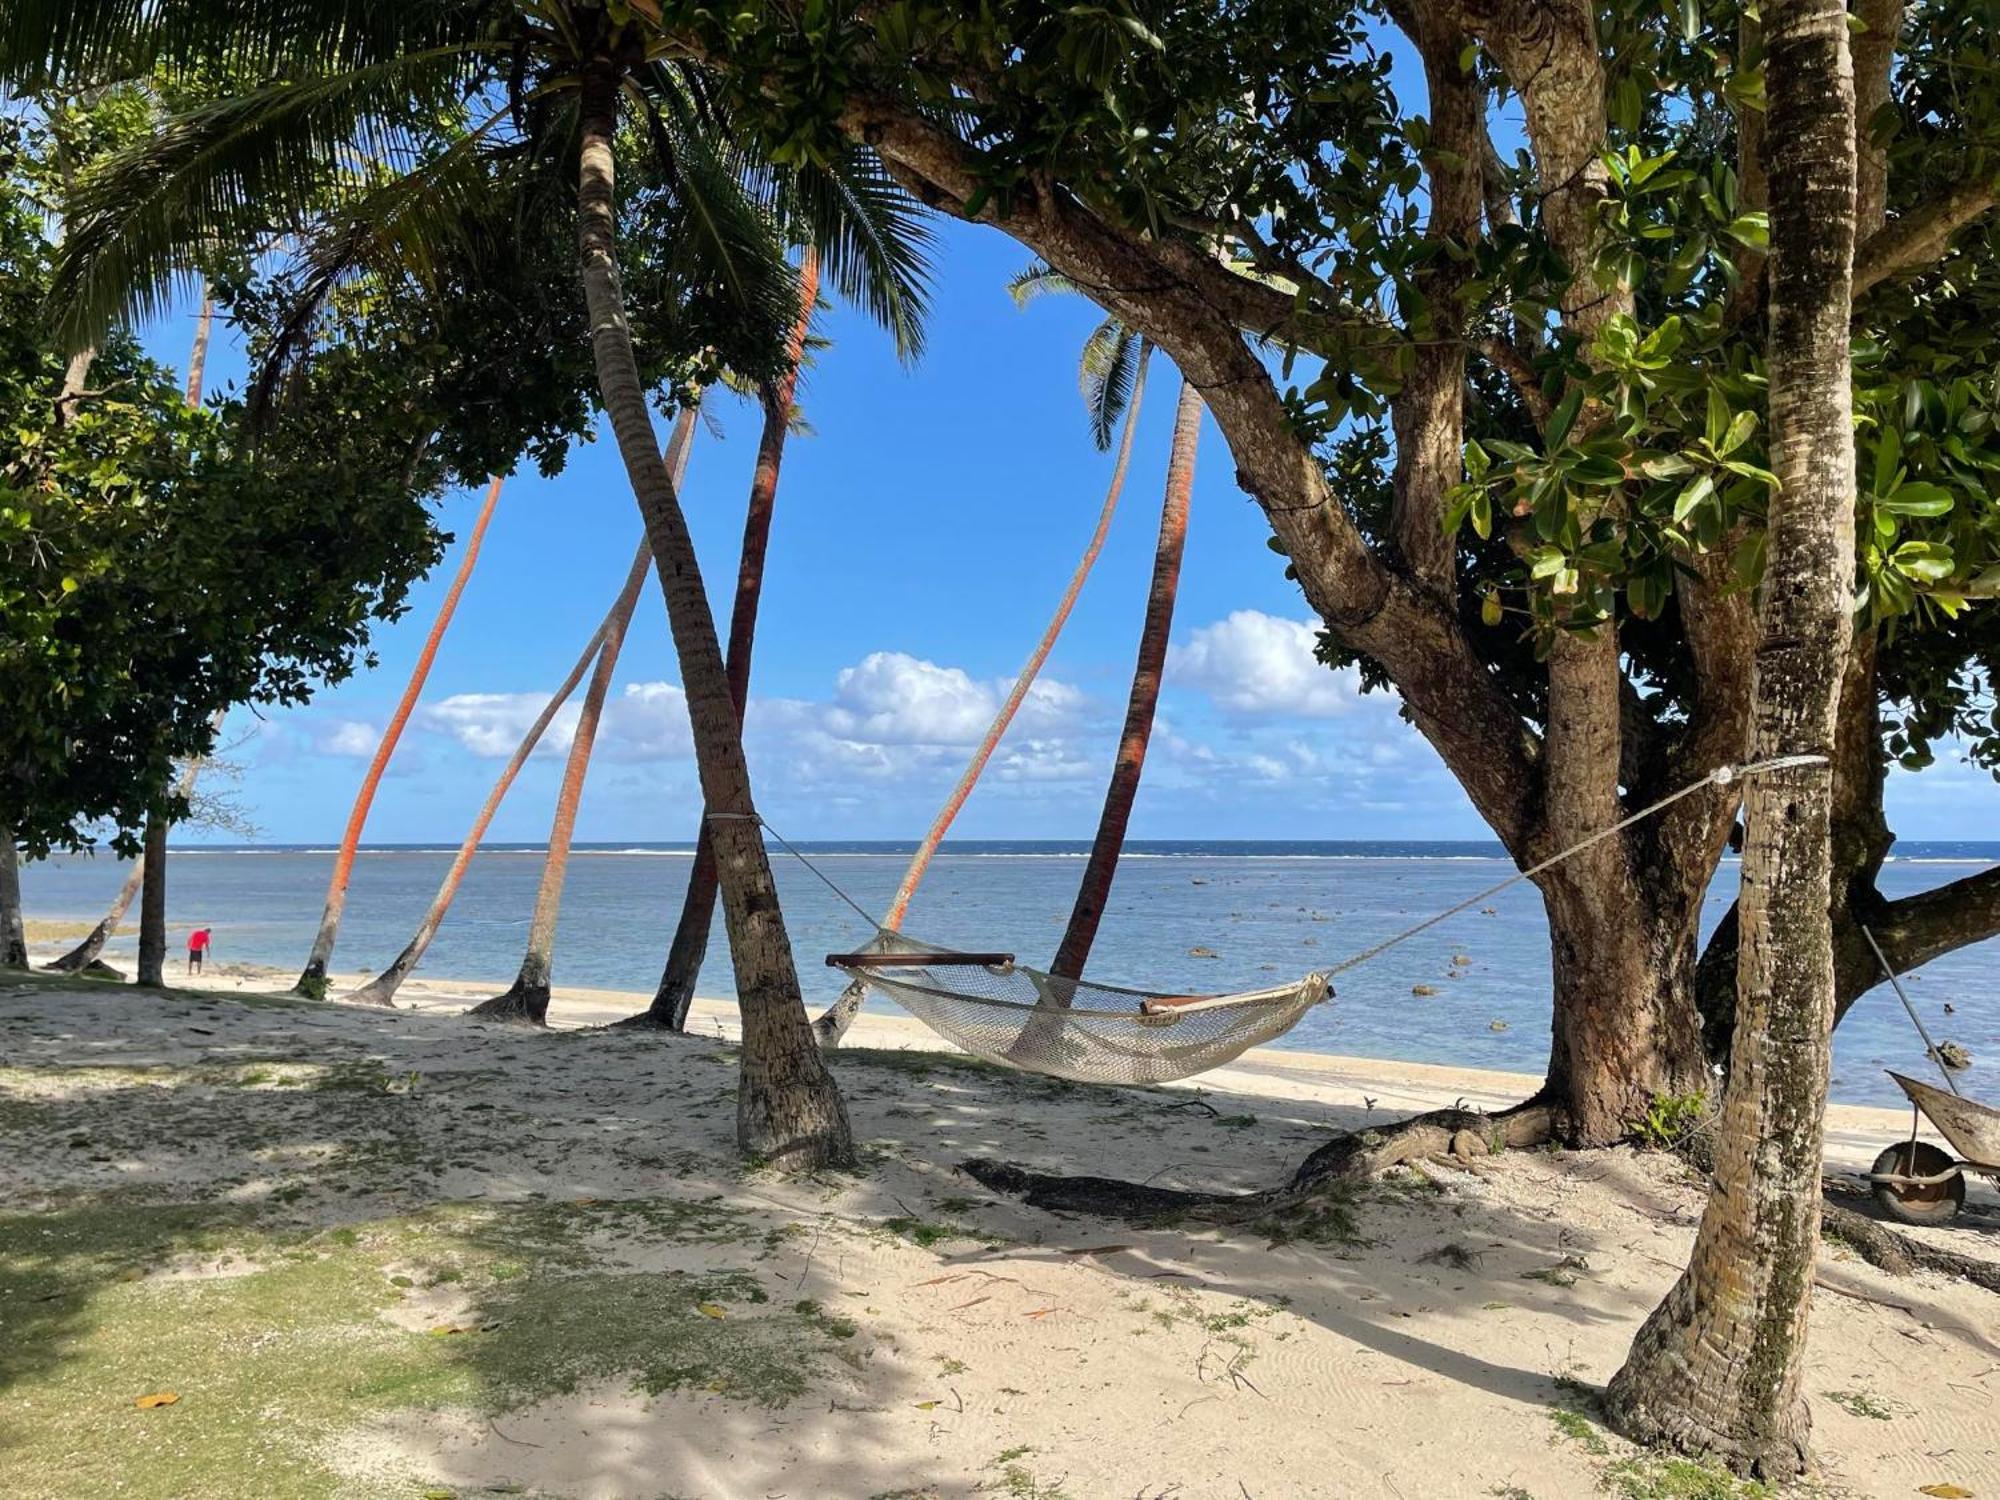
[1921, 236]
[1193, 308]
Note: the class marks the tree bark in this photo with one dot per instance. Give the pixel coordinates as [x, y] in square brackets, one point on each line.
[1717, 1369]
[527, 999]
[1094, 890]
[153, 905]
[312, 980]
[788, 1110]
[690, 942]
[13, 929]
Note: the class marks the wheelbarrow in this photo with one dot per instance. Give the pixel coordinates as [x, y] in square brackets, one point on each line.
[1919, 1183]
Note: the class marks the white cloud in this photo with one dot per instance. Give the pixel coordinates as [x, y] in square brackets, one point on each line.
[649, 721]
[492, 724]
[349, 737]
[1252, 663]
[892, 698]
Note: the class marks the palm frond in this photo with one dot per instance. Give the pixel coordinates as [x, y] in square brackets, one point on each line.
[398, 227]
[1037, 280]
[1110, 365]
[61, 43]
[873, 238]
[238, 172]
[733, 240]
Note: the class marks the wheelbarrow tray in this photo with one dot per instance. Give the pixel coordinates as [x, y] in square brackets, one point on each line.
[1972, 1128]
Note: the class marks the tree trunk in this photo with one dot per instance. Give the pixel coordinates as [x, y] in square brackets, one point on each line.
[690, 944]
[1102, 867]
[1717, 1369]
[13, 929]
[787, 1108]
[832, 1026]
[1624, 1029]
[153, 905]
[527, 999]
[381, 990]
[312, 980]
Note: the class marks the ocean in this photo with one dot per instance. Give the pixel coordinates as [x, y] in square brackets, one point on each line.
[1263, 910]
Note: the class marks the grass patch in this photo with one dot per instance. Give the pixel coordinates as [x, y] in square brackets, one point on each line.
[1574, 1426]
[277, 1342]
[1862, 1404]
[1677, 1479]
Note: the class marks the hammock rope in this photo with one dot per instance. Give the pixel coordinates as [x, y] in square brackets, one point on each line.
[1088, 1032]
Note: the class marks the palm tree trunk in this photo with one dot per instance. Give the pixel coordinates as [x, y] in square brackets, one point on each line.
[1098, 873]
[84, 954]
[381, 990]
[312, 980]
[669, 1009]
[527, 999]
[840, 1015]
[787, 1108]
[153, 905]
[1717, 1369]
[13, 930]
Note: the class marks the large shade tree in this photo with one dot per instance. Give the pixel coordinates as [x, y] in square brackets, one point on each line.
[1358, 291]
[552, 92]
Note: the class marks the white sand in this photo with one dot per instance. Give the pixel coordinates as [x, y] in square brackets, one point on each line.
[1149, 1363]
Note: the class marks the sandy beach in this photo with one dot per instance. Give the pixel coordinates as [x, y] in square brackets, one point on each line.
[399, 1254]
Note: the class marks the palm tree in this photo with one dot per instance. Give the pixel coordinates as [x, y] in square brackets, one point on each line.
[381, 990]
[1095, 888]
[559, 74]
[312, 981]
[690, 943]
[1718, 1369]
[527, 1000]
[1112, 375]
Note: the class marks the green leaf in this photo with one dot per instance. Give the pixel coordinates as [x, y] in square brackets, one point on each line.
[1918, 499]
[1739, 432]
[1718, 418]
[1691, 497]
[1564, 417]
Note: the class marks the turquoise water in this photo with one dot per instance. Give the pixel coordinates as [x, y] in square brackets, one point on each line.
[1266, 911]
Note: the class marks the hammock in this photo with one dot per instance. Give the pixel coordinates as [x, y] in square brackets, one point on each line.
[1086, 1032]
[1024, 1018]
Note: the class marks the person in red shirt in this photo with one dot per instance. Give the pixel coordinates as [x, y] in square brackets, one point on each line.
[197, 949]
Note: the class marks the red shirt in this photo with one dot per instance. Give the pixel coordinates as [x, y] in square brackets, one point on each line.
[198, 941]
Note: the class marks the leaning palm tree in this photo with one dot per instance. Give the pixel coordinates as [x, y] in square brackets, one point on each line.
[690, 941]
[381, 990]
[1094, 890]
[1112, 376]
[312, 981]
[548, 84]
[527, 999]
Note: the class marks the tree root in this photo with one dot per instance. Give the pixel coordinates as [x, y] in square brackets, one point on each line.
[519, 1006]
[1460, 1133]
[1899, 1254]
[645, 1020]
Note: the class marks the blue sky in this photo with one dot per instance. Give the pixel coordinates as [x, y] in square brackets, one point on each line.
[923, 531]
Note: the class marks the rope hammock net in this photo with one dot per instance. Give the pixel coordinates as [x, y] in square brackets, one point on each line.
[1086, 1032]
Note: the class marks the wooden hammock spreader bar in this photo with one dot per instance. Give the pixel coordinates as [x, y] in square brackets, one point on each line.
[917, 960]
